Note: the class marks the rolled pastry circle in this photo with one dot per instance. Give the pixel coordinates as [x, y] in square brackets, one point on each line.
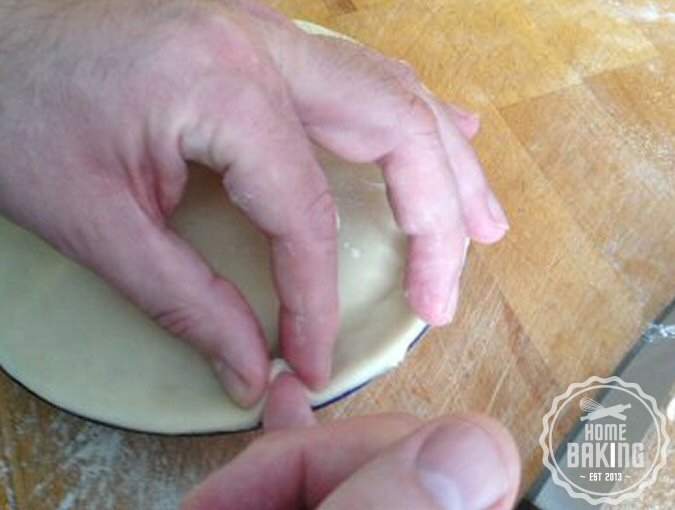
[71, 339]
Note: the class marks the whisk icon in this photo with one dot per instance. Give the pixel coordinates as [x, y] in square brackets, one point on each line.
[596, 410]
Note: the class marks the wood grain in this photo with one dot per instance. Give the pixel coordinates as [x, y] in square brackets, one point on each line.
[578, 108]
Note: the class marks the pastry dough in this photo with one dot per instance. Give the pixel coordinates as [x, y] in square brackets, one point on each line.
[70, 338]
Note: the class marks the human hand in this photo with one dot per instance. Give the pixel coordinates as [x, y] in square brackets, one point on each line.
[103, 103]
[386, 462]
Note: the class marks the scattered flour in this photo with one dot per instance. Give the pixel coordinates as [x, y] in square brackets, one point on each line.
[354, 252]
[6, 485]
[661, 331]
[67, 502]
[649, 12]
[105, 469]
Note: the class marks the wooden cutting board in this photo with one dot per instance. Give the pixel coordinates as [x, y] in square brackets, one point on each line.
[577, 100]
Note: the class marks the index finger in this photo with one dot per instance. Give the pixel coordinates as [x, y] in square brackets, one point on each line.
[271, 174]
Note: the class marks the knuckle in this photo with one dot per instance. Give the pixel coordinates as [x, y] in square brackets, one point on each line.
[315, 219]
[206, 36]
[420, 116]
[405, 73]
[422, 221]
[320, 216]
[188, 316]
[179, 321]
[346, 58]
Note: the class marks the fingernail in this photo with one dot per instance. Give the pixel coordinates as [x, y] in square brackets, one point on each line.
[235, 385]
[461, 469]
[439, 308]
[322, 375]
[435, 308]
[497, 212]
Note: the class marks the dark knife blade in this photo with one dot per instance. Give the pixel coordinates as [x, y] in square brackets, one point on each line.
[651, 364]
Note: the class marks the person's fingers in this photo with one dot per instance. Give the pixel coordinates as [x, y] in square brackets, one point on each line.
[484, 216]
[423, 196]
[287, 470]
[168, 280]
[330, 83]
[469, 464]
[378, 462]
[270, 172]
[287, 404]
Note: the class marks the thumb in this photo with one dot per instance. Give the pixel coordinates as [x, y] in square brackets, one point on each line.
[174, 285]
[460, 464]
[287, 405]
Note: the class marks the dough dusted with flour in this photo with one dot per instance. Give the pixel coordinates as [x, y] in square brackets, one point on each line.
[70, 338]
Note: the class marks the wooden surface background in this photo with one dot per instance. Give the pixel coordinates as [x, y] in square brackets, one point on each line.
[578, 107]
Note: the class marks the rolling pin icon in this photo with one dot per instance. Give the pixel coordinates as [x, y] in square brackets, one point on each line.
[596, 410]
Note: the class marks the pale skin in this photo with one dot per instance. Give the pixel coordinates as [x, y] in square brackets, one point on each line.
[103, 103]
[383, 462]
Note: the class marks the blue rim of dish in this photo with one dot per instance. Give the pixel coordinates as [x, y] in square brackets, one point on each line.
[254, 428]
